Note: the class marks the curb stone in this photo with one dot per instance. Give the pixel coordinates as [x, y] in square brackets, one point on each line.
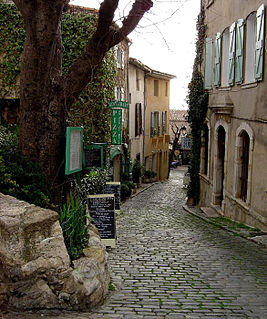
[260, 240]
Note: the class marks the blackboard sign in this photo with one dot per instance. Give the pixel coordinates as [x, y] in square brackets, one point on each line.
[114, 188]
[101, 209]
[93, 156]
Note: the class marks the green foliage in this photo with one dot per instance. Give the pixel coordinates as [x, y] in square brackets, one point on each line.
[93, 183]
[126, 189]
[150, 174]
[91, 109]
[136, 171]
[12, 37]
[75, 230]
[198, 104]
[19, 177]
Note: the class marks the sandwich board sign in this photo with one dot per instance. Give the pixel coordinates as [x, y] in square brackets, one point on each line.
[114, 188]
[102, 210]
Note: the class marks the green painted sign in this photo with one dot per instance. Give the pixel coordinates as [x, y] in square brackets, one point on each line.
[74, 150]
[119, 104]
[116, 126]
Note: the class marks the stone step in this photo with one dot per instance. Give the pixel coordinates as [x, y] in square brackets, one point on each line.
[210, 212]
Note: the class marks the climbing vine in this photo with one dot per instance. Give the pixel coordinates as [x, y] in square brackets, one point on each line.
[91, 108]
[198, 104]
[12, 37]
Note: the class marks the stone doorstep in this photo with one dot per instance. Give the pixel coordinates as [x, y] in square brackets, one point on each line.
[210, 212]
[260, 240]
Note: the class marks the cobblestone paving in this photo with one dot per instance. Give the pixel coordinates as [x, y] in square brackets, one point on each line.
[170, 264]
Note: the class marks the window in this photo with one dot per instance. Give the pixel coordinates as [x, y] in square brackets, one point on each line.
[225, 58]
[138, 119]
[159, 123]
[250, 48]
[217, 60]
[119, 94]
[119, 57]
[166, 88]
[156, 87]
[163, 123]
[152, 123]
[208, 63]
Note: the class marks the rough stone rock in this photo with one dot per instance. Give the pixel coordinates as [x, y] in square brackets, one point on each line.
[35, 268]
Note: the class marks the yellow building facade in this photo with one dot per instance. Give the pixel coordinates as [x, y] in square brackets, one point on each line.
[157, 111]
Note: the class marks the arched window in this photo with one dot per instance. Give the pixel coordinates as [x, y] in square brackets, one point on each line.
[225, 58]
[250, 48]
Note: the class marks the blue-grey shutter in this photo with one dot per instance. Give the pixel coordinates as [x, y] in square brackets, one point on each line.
[159, 123]
[152, 124]
[217, 60]
[259, 54]
[239, 51]
[208, 64]
[232, 33]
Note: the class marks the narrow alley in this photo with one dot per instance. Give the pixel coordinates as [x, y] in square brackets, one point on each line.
[171, 264]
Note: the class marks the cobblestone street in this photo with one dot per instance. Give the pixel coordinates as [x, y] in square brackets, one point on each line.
[171, 264]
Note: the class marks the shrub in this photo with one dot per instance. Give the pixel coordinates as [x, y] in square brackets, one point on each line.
[18, 176]
[93, 183]
[74, 228]
[136, 171]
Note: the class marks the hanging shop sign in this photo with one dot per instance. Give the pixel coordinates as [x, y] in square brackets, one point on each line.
[102, 210]
[119, 104]
[74, 150]
[116, 126]
[93, 156]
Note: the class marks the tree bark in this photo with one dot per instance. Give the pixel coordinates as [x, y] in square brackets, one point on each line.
[46, 95]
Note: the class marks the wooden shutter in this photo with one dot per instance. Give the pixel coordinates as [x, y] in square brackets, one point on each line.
[152, 124]
[217, 60]
[136, 119]
[232, 35]
[208, 64]
[239, 51]
[259, 54]
[140, 119]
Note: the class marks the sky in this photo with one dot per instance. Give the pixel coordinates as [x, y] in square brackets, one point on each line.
[164, 40]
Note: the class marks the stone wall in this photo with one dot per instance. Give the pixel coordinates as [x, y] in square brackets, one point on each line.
[35, 268]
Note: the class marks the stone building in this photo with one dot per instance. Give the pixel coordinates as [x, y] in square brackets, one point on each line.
[234, 145]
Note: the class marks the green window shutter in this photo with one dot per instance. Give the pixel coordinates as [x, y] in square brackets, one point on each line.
[239, 51]
[259, 44]
[232, 34]
[208, 64]
[217, 60]
[152, 124]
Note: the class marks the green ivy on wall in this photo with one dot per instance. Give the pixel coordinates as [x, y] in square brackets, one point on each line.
[12, 36]
[91, 109]
[198, 104]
